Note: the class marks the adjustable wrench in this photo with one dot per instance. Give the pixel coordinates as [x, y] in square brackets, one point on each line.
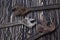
[22, 11]
[26, 22]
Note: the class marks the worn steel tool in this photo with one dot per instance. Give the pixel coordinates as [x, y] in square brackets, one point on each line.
[43, 30]
[22, 11]
[26, 22]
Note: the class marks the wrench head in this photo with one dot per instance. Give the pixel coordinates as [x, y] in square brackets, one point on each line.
[28, 22]
[20, 10]
[44, 28]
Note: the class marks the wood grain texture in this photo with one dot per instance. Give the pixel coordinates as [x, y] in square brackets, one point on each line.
[20, 32]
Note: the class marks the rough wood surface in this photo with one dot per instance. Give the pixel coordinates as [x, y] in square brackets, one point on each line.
[23, 32]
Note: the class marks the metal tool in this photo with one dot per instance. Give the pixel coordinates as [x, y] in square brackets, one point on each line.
[43, 30]
[26, 22]
[22, 11]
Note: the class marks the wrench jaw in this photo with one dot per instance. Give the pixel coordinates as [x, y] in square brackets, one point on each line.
[43, 29]
[28, 22]
[20, 10]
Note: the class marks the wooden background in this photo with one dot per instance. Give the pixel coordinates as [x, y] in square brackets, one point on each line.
[11, 32]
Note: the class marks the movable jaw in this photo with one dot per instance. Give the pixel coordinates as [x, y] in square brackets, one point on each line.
[28, 22]
[20, 10]
[44, 28]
